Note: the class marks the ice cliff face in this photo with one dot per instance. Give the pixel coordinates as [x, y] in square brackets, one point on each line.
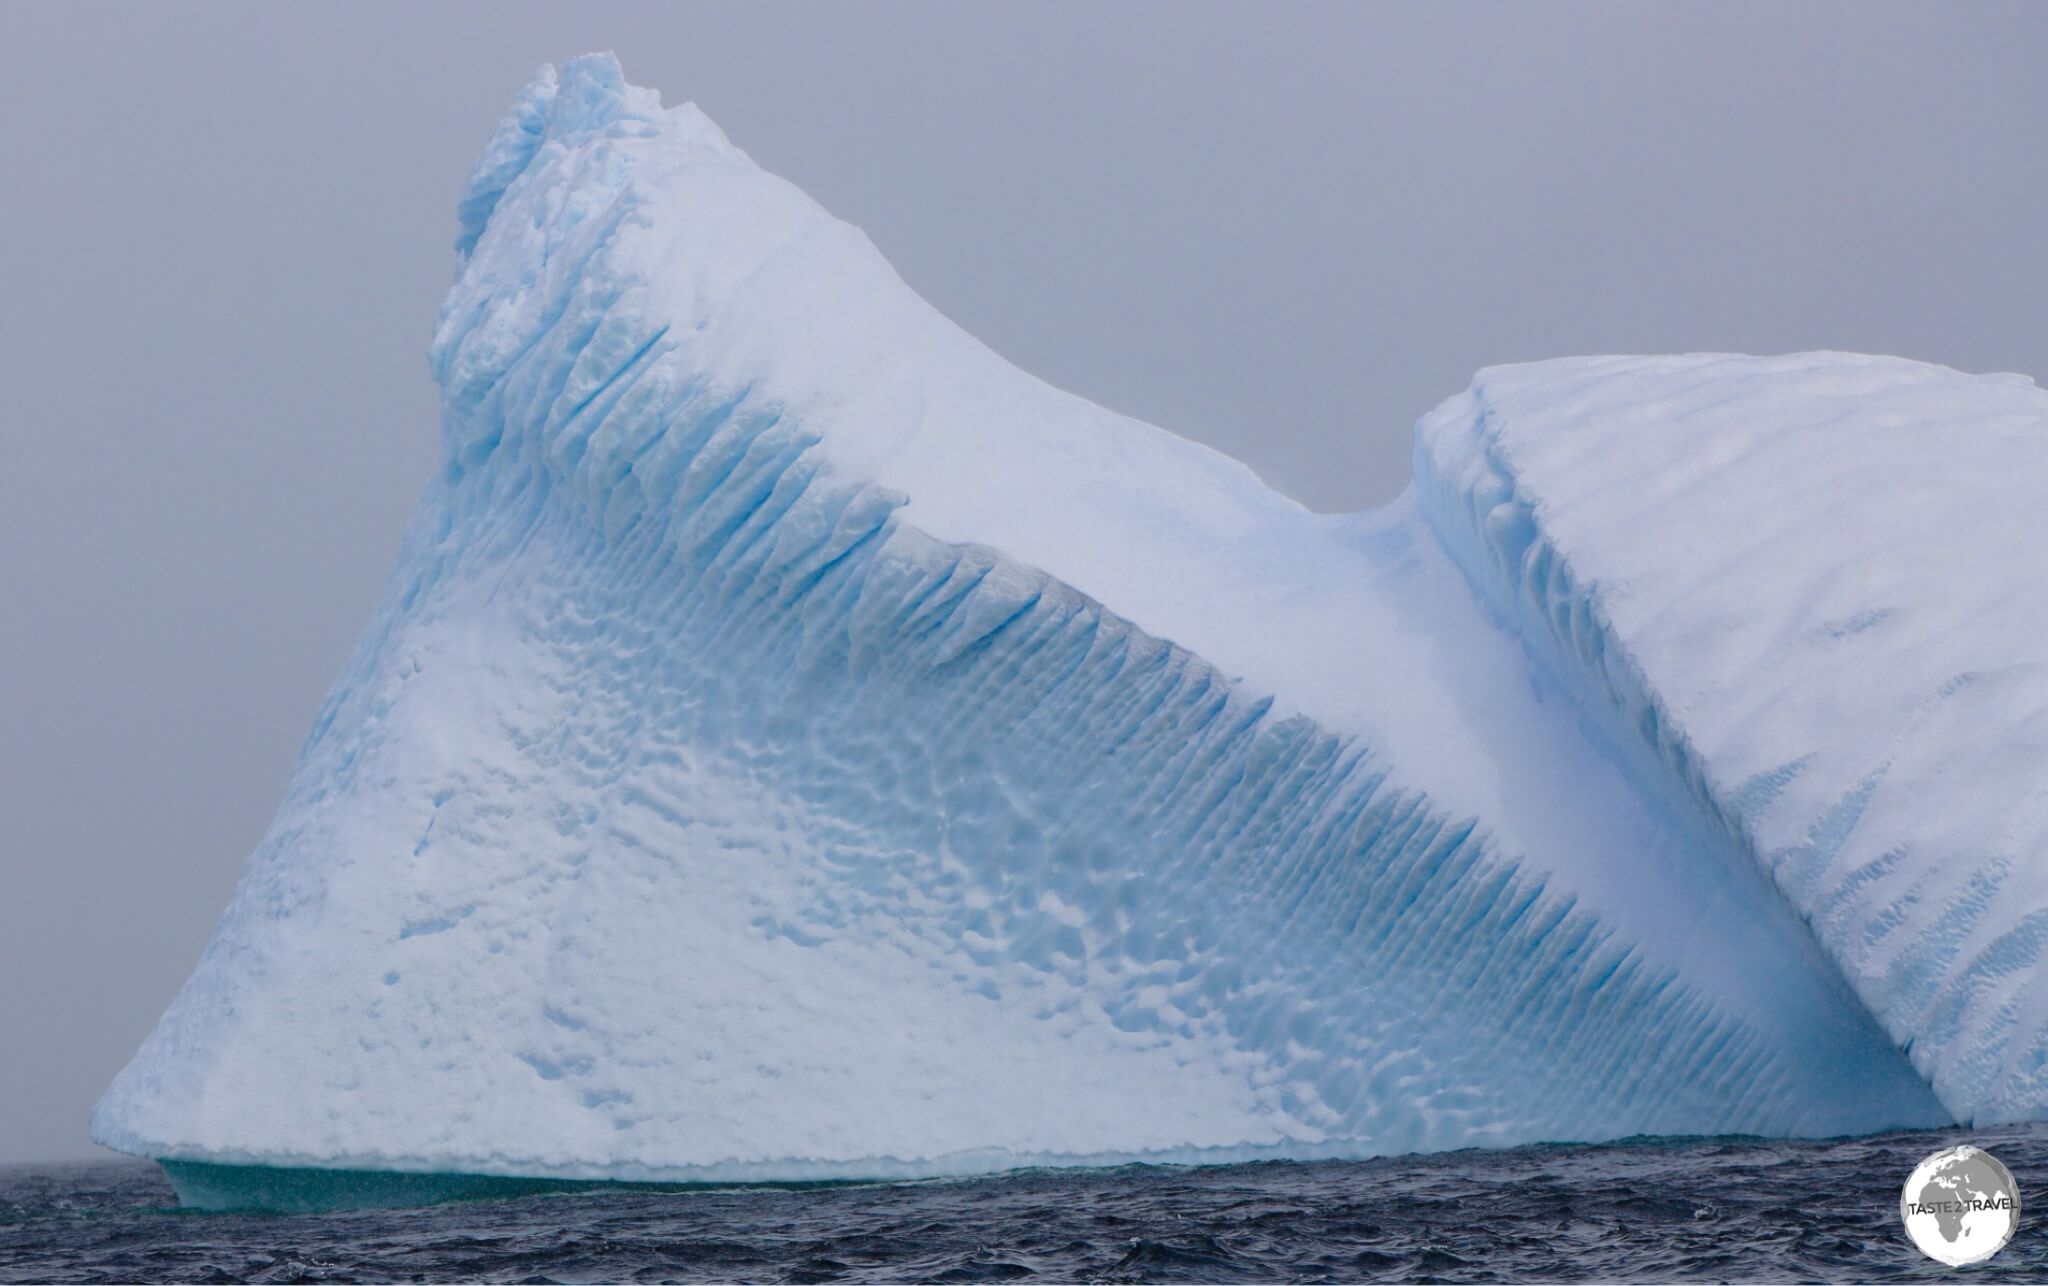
[795, 743]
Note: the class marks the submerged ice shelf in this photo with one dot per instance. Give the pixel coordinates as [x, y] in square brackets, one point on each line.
[795, 744]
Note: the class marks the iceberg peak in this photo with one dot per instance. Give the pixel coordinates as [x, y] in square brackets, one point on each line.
[587, 98]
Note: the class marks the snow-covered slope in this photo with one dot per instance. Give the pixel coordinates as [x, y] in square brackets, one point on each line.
[794, 743]
[1811, 588]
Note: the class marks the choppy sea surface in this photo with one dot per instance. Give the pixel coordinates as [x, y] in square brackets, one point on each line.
[1652, 1210]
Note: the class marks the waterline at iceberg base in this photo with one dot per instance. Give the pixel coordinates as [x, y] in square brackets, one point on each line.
[795, 746]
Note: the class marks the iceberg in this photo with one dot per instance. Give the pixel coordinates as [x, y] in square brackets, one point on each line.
[1805, 591]
[794, 744]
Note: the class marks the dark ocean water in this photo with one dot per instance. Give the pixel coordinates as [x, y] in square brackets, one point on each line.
[1689, 1210]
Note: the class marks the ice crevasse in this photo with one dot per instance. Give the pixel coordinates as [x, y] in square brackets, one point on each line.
[794, 743]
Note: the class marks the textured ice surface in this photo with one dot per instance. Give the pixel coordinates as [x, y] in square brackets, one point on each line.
[1811, 589]
[794, 743]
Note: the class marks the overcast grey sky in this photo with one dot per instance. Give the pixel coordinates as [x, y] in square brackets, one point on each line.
[1285, 230]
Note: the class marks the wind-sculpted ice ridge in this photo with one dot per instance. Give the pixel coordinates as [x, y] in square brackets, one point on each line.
[795, 744]
[1809, 588]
